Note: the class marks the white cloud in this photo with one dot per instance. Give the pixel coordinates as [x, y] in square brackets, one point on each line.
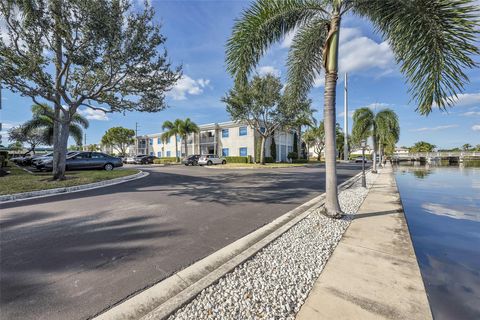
[319, 81]
[188, 86]
[350, 114]
[91, 114]
[264, 70]
[377, 106]
[466, 99]
[437, 128]
[471, 113]
[357, 52]
[362, 53]
[476, 127]
[463, 213]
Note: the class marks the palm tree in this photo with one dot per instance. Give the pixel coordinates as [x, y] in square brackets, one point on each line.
[303, 118]
[187, 127]
[388, 130]
[174, 129]
[433, 62]
[466, 147]
[42, 120]
[382, 127]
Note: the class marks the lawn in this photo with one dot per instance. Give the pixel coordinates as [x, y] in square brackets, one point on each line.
[21, 181]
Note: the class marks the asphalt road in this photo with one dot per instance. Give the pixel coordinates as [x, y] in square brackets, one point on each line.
[72, 256]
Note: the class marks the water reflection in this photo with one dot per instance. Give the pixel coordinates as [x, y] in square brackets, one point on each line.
[442, 206]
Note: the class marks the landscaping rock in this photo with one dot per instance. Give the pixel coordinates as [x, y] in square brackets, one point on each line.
[275, 282]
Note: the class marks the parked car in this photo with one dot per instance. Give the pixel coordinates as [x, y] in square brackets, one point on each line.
[134, 159]
[40, 161]
[25, 160]
[145, 160]
[88, 160]
[191, 160]
[360, 159]
[211, 159]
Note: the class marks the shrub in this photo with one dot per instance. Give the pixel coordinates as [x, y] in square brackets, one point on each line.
[299, 161]
[269, 160]
[165, 160]
[238, 159]
[292, 155]
[3, 158]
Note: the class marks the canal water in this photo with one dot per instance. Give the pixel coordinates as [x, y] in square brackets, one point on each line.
[442, 207]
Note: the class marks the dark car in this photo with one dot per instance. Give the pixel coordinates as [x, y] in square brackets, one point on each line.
[191, 160]
[89, 160]
[145, 160]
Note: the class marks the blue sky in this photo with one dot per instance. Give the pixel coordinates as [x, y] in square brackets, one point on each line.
[197, 31]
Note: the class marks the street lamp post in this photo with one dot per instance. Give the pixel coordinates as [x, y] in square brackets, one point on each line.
[364, 181]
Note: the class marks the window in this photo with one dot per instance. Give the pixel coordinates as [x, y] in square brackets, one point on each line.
[178, 153]
[168, 153]
[97, 155]
[225, 133]
[159, 140]
[225, 152]
[159, 154]
[243, 152]
[83, 155]
[242, 131]
[151, 142]
[152, 153]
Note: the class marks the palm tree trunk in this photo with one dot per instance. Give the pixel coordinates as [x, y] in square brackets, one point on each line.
[332, 207]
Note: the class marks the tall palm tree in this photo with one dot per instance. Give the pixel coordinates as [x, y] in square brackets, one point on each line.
[433, 40]
[383, 127]
[173, 130]
[42, 119]
[187, 127]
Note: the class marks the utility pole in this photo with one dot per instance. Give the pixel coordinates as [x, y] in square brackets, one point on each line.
[345, 119]
[85, 139]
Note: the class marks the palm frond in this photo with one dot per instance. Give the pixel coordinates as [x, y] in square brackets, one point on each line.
[80, 120]
[264, 23]
[433, 40]
[76, 132]
[305, 57]
[363, 120]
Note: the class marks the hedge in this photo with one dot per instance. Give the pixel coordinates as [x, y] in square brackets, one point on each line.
[237, 159]
[3, 158]
[299, 161]
[269, 160]
[164, 160]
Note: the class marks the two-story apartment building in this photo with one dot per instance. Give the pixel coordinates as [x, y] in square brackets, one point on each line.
[223, 139]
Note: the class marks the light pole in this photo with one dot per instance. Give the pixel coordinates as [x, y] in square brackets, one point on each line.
[363, 145]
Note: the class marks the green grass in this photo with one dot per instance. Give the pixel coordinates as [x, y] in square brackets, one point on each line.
[21, 181]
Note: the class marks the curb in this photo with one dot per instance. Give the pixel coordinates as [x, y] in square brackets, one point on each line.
[164, 298]
[52, 192]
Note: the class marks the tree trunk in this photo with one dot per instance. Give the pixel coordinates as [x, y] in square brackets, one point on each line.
[299, 142]
[262, 150]
[380, 158]
[374, 141]
[186, 145]
[332, 207]
[60, 149]
[177, 159]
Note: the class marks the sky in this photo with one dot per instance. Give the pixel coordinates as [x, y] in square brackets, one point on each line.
[197, 31]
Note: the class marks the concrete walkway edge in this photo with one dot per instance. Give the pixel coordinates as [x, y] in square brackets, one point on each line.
[167, 296]
[52, 192]
[373, 272]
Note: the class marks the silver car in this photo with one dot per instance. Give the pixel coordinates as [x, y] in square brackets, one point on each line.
[210, 159]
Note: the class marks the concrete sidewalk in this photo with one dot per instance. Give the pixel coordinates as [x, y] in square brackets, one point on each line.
[373, 272]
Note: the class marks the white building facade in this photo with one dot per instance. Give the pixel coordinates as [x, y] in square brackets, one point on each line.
[226, 139]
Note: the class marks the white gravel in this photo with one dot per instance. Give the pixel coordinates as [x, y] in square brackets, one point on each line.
[275, 282]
